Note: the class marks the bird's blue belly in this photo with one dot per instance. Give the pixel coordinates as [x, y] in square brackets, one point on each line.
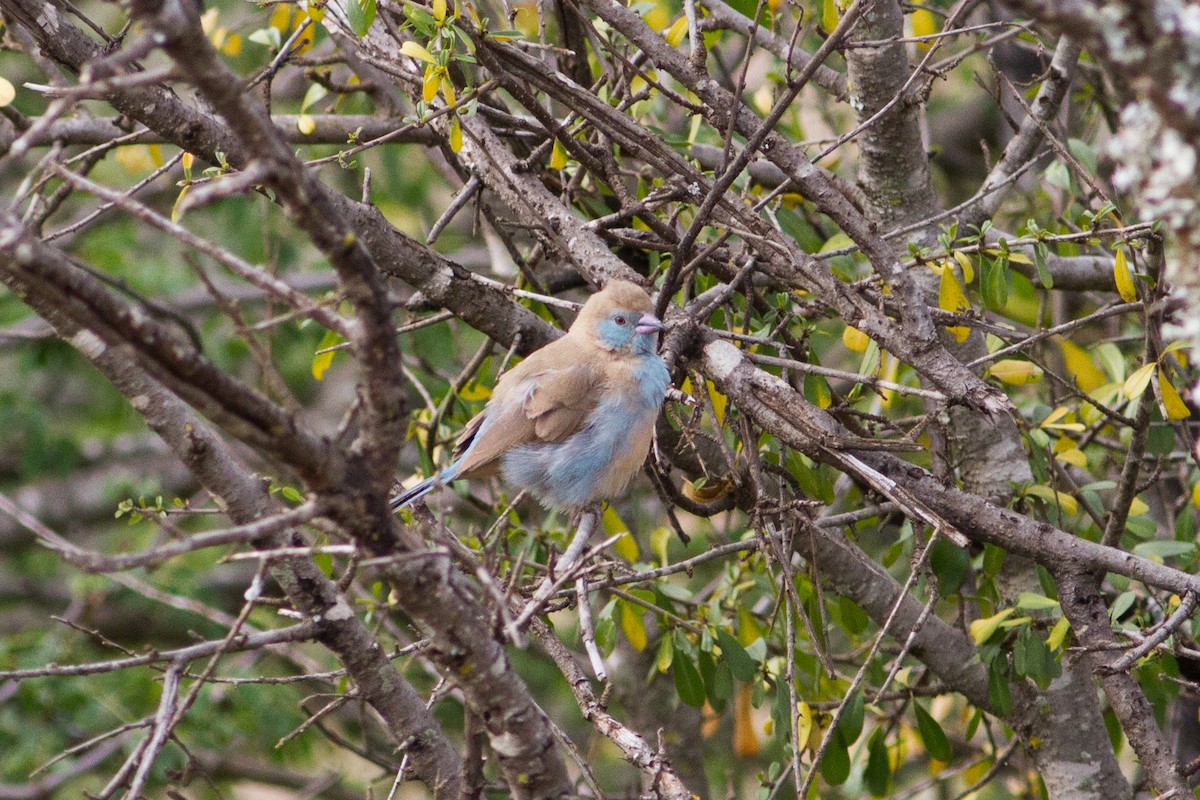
[567, 474]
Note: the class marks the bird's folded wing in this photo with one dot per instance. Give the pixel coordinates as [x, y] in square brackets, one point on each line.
[546, 406]
[560, 401]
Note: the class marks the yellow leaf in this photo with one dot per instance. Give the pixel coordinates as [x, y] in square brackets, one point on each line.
[1135, 384]
[439, 11]
[1196, 495]
[304, 41]
[281, 18]
[187, 160]
[829, 16]
[745, 742]
[475, 392]
[1058, 634]
[306, 124]
[719, 401]
[983, 629]
[232, 46]
[320, 364]
[415, 50]
[1016, 372]
[455, 134]
[804, 725]
[1051, 422]
[448, 91]
[1124, 277]
[964, 263]
[855, 340]
[1054, 416]
[1081, 367]
[657, 16]
[1020, 258]
[749, 631]
[627, 548]
[433, 80]
[889, 369]
[1172, 403]
[1137, 507]
[923, 24]
[633, 627]
[315, 11]
[558, 157]
[706, 493]
[674, 34]
[176, 212]
[951, 297]
[1064, 501]
[1074, 456]
[135, 158]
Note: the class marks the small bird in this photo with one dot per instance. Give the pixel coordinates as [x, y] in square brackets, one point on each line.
[572, 423]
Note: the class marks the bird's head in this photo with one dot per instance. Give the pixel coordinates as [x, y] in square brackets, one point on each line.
[621, 317]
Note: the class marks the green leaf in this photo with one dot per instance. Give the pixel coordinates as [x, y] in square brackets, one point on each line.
[1057, 175]
[835, 766]
[1164, 548]
[950, 564]
[936, 743]
[718, 680]
[665, 655]
[998, 691]
[879, 770]
[994, 284]
[851, 723]
[1121, 605]
[1028, 601]
[360, 14]
[688, 684]
[1040, 251]
[740, 664]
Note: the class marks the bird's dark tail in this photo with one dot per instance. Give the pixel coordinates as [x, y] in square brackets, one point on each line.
[408, 496]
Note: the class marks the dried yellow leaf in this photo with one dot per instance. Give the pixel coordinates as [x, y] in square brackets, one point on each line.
[964, 263]
[416, 50]
[1135, 384]
[1173, 404]
[674, 34]
[1016, 372]
[855, 340]
[1081, 367]
[1123, 277]
[1074, 456]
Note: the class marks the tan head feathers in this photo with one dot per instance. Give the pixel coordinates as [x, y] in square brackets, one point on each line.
[616, 295]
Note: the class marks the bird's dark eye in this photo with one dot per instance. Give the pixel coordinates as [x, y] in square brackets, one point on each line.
[620, 320]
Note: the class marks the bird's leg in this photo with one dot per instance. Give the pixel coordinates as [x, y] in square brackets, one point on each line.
[585, 524]
[564, 567]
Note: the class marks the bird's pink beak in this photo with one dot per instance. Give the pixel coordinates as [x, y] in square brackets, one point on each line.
[649, 324]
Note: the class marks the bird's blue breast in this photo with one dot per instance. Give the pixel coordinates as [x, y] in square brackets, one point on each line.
[574, 472]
